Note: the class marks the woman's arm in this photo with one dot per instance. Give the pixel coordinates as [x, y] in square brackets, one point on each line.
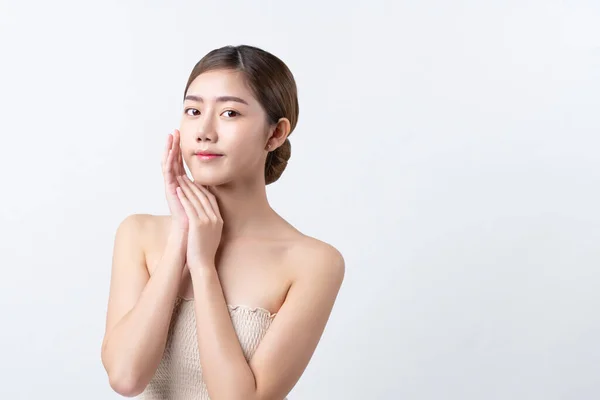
[288, 345]
[139, 306]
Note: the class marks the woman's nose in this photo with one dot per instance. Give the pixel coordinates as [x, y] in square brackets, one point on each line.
[206, 130]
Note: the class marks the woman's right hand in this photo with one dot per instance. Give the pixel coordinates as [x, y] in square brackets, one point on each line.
[172, 167]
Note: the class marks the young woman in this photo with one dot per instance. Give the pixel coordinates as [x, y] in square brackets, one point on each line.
[223, 298]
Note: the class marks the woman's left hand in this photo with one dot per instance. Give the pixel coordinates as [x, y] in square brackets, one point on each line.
[205, 223]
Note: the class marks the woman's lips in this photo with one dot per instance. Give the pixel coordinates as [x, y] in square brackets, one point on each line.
[207, 156]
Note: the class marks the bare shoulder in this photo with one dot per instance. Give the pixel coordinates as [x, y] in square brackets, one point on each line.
[313, 258]
[136, 221]
[143, 229]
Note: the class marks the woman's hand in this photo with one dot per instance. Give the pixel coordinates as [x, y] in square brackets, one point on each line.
[205, 223]
[172, 167]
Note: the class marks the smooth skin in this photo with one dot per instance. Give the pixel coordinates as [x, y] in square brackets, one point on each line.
[221, 245]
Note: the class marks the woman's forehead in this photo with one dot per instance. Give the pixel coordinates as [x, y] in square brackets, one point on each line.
[212, 84]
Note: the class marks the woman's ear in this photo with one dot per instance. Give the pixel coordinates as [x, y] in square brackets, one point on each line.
[279, 133]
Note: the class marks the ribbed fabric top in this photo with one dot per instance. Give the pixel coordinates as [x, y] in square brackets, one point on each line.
[179, 374]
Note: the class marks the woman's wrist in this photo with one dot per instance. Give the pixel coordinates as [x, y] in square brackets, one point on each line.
[177, 237]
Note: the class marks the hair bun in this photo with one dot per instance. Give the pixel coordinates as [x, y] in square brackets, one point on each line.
[277, 160]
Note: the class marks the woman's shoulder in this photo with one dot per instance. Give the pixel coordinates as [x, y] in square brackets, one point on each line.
[148, 228]
[311, 255]
[147, 221]
[311, 244]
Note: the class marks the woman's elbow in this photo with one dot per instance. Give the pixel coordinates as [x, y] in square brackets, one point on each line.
[124, 380]
[126, 384]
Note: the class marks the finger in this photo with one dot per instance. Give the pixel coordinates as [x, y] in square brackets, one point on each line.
[213, 200]
[176, 150]
[189, 194]
[179, 162]
[202, 203]
[187, 206]
[201, 194]
[167, 149]
[169, 163]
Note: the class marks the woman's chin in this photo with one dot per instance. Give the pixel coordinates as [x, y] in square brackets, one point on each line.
[208, 180]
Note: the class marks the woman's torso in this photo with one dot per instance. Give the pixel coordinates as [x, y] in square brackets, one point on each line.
[255, 275]
[179, 374]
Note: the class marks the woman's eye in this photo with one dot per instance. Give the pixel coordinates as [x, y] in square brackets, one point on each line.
[230, 113]
[188, 110]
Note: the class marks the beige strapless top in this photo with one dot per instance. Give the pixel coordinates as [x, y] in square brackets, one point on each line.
[179, 374]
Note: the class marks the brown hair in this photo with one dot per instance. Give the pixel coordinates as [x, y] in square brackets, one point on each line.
[271, 82]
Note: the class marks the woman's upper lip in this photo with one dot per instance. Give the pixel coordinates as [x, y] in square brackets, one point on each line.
[207, 153]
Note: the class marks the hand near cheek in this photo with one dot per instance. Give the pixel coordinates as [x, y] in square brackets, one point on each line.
[172, 167]
[205, 223]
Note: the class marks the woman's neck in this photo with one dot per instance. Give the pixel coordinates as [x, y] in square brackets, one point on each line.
[245, 210]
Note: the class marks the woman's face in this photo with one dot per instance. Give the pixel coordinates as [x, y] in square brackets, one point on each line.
[221, 116]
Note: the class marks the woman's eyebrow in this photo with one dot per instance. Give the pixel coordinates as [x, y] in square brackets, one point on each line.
[220, 99]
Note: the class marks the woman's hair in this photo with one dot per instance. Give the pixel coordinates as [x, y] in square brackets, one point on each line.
[272, 84]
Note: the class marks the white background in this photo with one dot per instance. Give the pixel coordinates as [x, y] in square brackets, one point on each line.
[448, 149]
